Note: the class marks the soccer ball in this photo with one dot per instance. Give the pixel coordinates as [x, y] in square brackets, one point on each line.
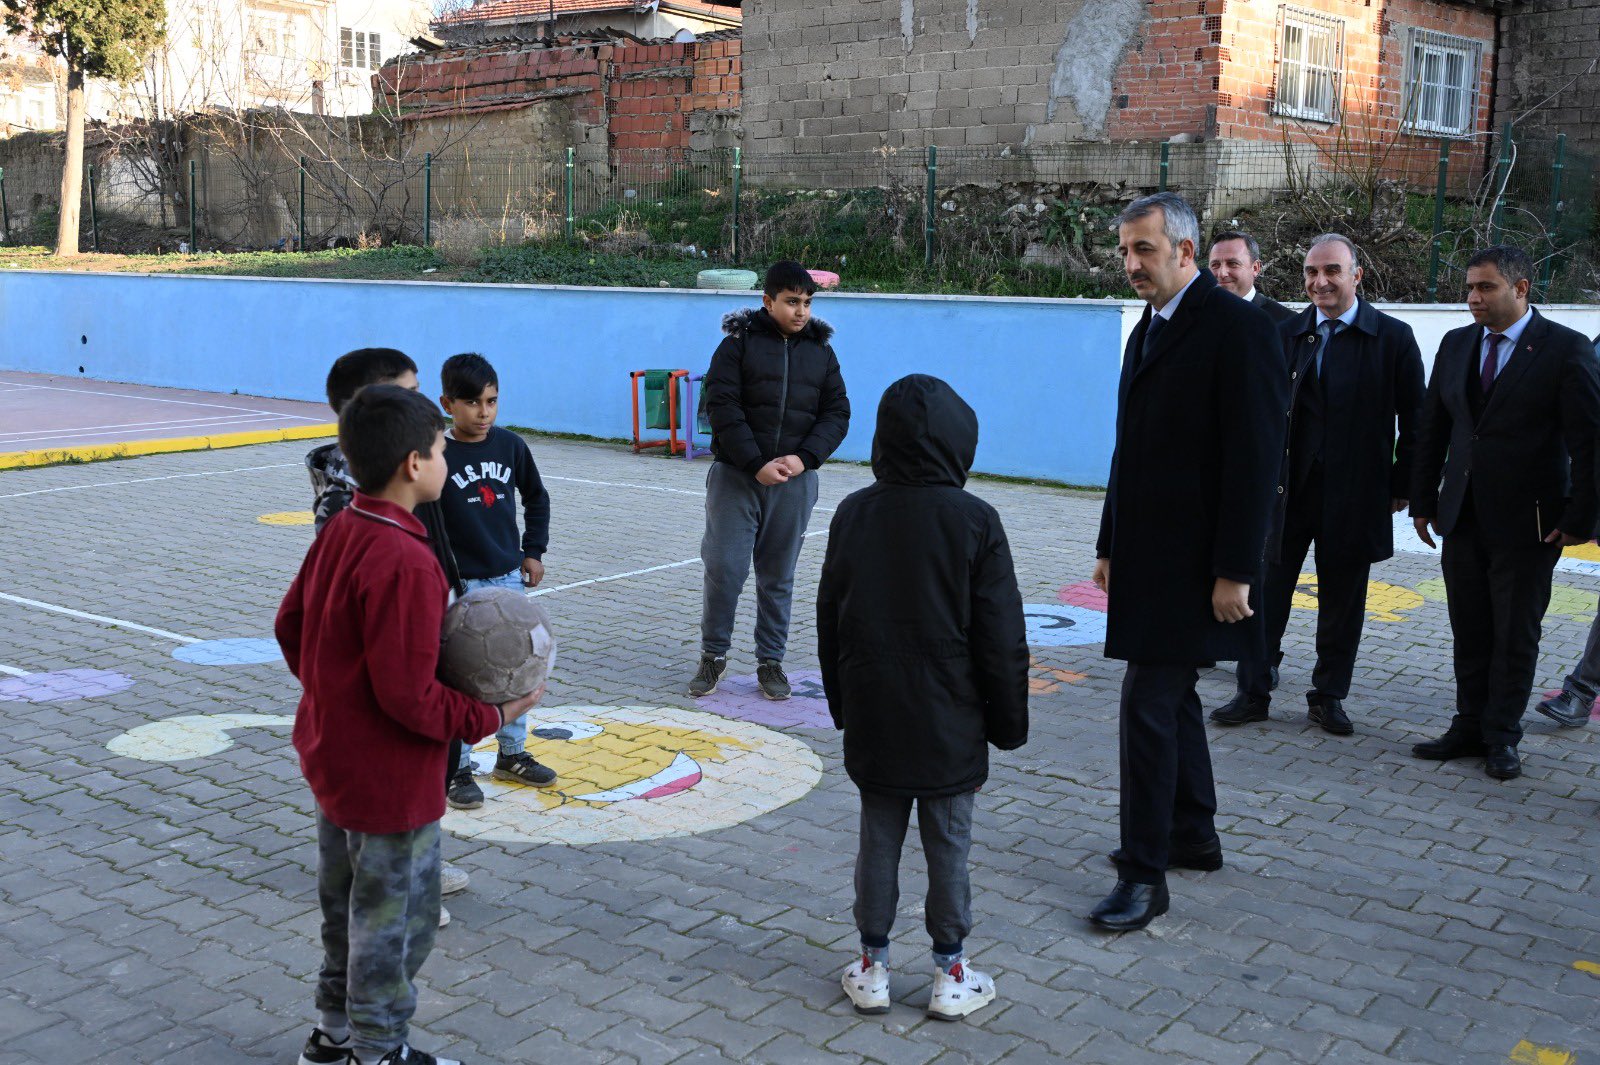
[498, 645]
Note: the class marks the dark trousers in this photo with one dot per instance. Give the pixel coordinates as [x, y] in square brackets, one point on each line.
[1168, 797]
[1341, 604]
[946, 828]
[1498, 597]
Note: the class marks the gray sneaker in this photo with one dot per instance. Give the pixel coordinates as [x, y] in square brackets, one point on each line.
[774, 682]
[705, 680]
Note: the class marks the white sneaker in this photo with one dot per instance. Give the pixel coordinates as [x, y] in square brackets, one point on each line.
[407, 1055]
[959, 992]
[867, 985]
[452, 878]
[444, 917]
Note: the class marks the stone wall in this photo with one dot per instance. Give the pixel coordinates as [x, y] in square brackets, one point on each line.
[1548, 49]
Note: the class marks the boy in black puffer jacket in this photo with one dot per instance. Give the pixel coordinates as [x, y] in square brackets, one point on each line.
[925, 661]
[778, 409]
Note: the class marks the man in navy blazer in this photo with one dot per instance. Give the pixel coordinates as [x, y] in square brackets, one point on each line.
[1505, 472]
[1356, 386]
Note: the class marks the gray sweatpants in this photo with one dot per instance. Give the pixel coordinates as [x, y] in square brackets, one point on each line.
[746, 519]
[1584, 680]
[380, 913]
[946, 827]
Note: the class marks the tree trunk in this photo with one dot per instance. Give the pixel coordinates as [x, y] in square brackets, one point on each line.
[72, 171]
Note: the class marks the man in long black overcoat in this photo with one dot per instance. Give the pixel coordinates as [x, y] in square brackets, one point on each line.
[1202, 408]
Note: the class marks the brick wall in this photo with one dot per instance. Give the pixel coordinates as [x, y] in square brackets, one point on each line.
[636, 95]
[1548, 48]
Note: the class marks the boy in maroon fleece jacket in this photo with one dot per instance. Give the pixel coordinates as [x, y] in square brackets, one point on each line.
[360, 629]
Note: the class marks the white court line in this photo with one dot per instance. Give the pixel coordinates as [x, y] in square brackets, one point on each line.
[643, 487]
[73, 438]
[13, 670]
[141, 480]
[636, 572]
[67, 610]
[168, 423]
[151, 398]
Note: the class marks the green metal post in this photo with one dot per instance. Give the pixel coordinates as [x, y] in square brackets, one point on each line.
[94, 215]
[1438, 219]
[193, 246]
[931, 228]
[301, 245]
[1502, 171]
[427, 199]
[570, 193]
[738, 175]
[1556, 170]
[1166, 150]
[5, 215]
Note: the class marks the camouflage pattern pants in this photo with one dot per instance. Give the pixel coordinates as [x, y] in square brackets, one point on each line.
[380, 913]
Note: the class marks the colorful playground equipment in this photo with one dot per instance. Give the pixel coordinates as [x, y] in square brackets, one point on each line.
[662, 410]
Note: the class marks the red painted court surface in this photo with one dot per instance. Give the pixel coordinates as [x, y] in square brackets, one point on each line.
[41, 411]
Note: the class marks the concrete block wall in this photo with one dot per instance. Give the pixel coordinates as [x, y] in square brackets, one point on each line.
[1548, 49]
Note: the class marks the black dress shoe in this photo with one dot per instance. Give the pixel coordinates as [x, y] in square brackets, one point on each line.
[1272, 685]
[1446, 748]
[1241, 710]
[1567, 710]
[1328, 713]
[1206, 859]
[1502, 763]
[1130, 906]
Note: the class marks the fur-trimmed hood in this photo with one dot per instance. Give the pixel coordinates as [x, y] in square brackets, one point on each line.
[742, 323]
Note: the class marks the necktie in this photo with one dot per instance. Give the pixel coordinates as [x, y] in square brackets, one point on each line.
[1491, 363]
[1151, 331]
[1327, 329]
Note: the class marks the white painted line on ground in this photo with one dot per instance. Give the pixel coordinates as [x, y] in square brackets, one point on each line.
[67, 610]
[636, 572]
[170, 423]
[184, 402]
[13, 670]
[643, 487]
[141, 480]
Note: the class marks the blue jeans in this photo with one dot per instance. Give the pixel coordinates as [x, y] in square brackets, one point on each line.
[513, 736]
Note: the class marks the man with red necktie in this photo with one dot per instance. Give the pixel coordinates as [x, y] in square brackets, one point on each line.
[1505, 472]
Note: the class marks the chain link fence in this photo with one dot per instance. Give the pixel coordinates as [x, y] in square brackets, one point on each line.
[972, 218]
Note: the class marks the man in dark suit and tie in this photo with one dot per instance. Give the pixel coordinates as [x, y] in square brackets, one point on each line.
[1235, 262]
[1509, 429]
[1354, 375]
[1199, 430]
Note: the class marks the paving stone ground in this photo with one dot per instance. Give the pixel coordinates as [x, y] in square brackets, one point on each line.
[1373, 908]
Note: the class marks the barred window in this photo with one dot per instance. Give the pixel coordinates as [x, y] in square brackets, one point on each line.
[1310, 66]
[1442, 83]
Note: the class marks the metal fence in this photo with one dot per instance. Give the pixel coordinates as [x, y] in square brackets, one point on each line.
[1418, 207]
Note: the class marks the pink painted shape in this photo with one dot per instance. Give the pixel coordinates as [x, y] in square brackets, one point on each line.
[673, 787]
[824, 278]
[1084, 594]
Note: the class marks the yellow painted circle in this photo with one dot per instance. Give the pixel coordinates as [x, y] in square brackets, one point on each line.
[1385, 602]
[627, 773]
[288, 517]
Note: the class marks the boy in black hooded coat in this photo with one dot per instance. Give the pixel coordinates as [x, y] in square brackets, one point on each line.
[925, 662]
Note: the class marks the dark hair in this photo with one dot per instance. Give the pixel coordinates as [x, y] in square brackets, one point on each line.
[1512, 262]
[465, 376]
[1233, 234]
[380, 427]
[786, 275]
[364, 366]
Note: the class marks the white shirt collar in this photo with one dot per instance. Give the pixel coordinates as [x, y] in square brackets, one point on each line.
[1172, 305]
[1514, 333]
[1250, 297]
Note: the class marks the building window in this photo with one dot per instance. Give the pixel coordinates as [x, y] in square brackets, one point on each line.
[1310, 66]
[360, 50]
[1442, 84]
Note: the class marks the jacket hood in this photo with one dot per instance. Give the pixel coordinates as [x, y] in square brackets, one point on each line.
[756, 320]
[927, 435]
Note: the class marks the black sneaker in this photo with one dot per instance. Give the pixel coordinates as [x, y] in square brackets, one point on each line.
[711, 670]
[320, 1050]
[463, 792]
[774, 682]
[522, 768]
[406, 1055]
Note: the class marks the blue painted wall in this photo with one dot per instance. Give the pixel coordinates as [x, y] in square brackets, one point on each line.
[1040, 373]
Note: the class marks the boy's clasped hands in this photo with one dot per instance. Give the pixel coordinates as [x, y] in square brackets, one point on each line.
[780, 469]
